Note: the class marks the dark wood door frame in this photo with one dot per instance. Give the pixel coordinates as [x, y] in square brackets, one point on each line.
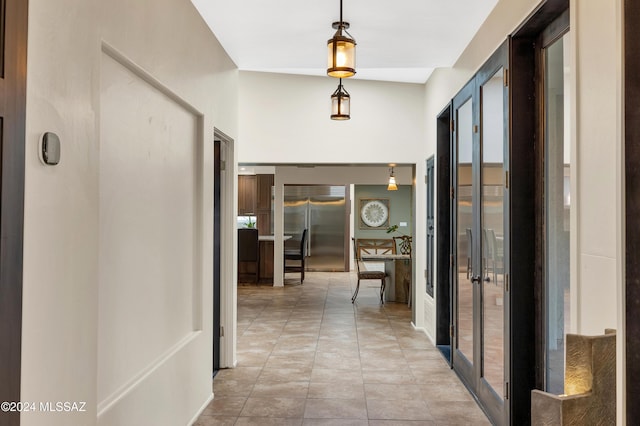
[632, 207]
[443, 229]
[217, 226]
[13, 69]
[527, 213]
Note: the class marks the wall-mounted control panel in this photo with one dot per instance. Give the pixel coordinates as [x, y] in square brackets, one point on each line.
[50, 149]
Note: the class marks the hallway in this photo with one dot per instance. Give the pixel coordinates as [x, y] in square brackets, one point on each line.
[307, 356]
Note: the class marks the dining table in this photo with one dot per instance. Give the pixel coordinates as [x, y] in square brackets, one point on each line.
[398, 268]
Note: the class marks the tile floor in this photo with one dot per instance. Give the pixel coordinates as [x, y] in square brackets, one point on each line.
[307, 356]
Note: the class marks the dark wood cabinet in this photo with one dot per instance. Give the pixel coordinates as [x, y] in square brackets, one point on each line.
[266, 261]
[264, 184]
[263, 203]
[255, 199]
[247, 189]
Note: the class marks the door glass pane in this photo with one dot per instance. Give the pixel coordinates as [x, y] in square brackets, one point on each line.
[493, 266]
[464, 199]
[557, 207]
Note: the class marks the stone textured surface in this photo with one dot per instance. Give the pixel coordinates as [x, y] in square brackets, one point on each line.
[590, 383]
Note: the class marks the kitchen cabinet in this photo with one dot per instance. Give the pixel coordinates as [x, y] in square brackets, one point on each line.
[264, 185]
[266, 262]
[247, 188]
[255, 199]
[263, 203]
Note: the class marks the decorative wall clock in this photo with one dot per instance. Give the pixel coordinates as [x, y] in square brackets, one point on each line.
[374, 213]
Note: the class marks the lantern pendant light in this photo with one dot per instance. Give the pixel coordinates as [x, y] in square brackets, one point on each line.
[341, 49]
[392, 186]
[340, 104]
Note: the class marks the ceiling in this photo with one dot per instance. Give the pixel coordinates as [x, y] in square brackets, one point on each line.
[401, 40]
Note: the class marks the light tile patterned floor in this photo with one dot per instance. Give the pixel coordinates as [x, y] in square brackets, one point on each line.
[307, 356]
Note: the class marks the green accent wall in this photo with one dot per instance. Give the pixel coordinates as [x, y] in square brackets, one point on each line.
[400, 203]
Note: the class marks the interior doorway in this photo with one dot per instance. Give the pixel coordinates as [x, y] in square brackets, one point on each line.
[225, 235]
[444, 268]
[217, 211]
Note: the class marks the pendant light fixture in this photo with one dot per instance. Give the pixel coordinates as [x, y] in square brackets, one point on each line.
[340, 104]
[392, 186]
[342, 51]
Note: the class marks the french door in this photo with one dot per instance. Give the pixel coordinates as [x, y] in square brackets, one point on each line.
[480, 264]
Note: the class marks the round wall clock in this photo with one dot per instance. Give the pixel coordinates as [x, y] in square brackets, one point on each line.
[374, 213]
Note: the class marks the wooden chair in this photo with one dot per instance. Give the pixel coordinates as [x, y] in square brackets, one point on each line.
[403, 244]
[375, 246]
[367, 275]
[248, 253]
[299, 255]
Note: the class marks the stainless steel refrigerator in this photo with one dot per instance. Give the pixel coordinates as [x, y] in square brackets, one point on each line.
[324, 211]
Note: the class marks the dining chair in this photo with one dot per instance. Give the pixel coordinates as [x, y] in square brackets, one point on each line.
[363, 274]
[494, 255]
[299, 255]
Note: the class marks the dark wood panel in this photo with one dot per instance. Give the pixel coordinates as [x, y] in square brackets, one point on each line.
[443, 228]
[263, 219]
[540, 18]
[523, 229]
[632, 203]
[217, 228]
[246, 195]
[12, 159]
[264, 183]
[266, 261]
[2, 36]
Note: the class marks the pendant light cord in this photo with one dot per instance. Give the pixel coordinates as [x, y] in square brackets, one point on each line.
[340, 12]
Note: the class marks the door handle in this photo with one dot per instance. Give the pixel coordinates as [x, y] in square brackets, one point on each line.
[475, 279]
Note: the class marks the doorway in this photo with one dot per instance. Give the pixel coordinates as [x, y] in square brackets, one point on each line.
[217, 211]
[13, 65]
[224, 229]
[480, 168]
[443, 270]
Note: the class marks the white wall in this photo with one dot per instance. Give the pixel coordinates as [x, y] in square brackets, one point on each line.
[597, 150]
[285, 119]
[73, 272]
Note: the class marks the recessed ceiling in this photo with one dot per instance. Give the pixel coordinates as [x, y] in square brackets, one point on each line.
[402, 40]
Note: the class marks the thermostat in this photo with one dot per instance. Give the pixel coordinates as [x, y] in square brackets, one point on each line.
[50, 148]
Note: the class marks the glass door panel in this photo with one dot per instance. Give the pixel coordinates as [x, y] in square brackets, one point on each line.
[557, 200]
[464, 191]
[493, 230]
[480, 160]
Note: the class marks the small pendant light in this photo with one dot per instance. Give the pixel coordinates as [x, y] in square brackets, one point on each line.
[341, 49]
[392, 182]
[340, 100]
